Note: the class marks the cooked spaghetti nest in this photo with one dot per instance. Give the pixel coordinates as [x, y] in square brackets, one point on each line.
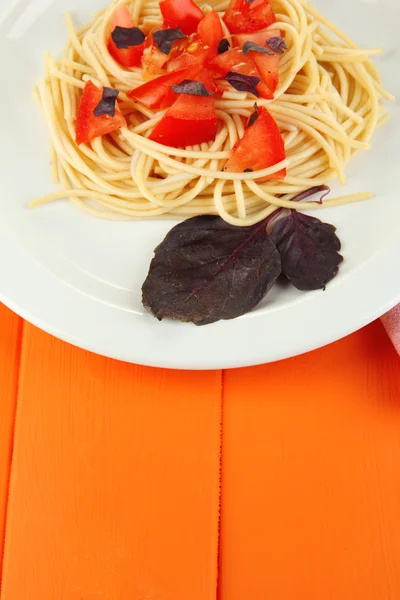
[328, 104]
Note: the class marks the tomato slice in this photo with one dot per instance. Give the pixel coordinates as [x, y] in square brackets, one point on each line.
[127, 57]
[153, 60]
[205, 77]
[267, 64]
[184, 14]
[88, 126]
[234, 60]
[242, 17]
[210, 32]
[261, 146]
[157, 93]
[189, 53]
[190, 120]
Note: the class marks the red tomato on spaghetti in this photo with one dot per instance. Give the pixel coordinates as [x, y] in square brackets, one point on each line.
[127, 57]
[261, 147]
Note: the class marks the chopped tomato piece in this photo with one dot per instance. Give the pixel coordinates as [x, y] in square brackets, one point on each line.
[189, 53]
[242, 17]
[157, 93]
[153, 60]
[234, 60]
[184, 14]
[127, 57]
[267, 64]
[190, 120]
[210, 32]
[261, 147]
[88, 126]
[205, 77]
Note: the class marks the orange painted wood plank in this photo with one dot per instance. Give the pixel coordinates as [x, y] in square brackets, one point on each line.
[10, 345]
[311, 475]
[115, 480]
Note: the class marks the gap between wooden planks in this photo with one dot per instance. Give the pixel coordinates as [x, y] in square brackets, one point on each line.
[10, 348]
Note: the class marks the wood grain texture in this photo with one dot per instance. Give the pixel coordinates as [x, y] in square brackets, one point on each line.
[311, 475]
[115, 483]
[10, 346]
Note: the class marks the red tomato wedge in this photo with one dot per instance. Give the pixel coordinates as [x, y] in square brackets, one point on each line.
[205, 77]
[153, 60]
[261, 146]
[184, 14]
[210, 32]
[234, 60]
[242, 17]
[157, 93]
[190, 120]
[267, 64]
[127, 57]
[189, 53]
[88, 126]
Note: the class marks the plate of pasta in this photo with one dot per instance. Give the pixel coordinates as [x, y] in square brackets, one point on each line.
[200, 185]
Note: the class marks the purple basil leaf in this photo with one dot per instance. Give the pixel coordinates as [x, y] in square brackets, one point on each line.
[309, 250]
[317, 189]
[253, 116]
[192, 88]
[165, 38]
[206, 270]
[223, 46]
[249, 1]
[106, 106]
[277, 44]
[125, 37]
[243, 83]
[253, 47]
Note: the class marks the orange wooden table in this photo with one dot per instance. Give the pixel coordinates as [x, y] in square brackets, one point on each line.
[120, 482]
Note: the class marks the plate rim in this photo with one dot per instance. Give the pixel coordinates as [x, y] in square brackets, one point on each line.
[380, 297]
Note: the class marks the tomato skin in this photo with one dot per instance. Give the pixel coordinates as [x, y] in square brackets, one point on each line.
[242, 17]
[127, 57]
[234, 60]
[267, 64]
[184, 14]
[210, 32]
[261, 146]
[157, 93]
[88, 126]
[153, 60]
[190, 120]
[188, 54]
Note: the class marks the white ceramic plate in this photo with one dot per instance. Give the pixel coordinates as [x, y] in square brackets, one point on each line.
[79, 278]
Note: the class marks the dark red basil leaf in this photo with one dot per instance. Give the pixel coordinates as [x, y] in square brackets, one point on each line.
[223, 46]
[243, 83]
[253, 47]
[192, 88]
[165, 38]
[106, 106]
[125, 37]
[248, 171]
[253, 116]
[206, 270]
[277, 44]
[309, 250]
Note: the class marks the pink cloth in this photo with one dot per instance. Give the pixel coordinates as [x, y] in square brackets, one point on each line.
[391, 322]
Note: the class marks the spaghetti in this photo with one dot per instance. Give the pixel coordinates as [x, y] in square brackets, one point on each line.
[328, 104]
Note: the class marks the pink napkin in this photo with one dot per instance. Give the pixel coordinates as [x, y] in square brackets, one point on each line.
[391, 322]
